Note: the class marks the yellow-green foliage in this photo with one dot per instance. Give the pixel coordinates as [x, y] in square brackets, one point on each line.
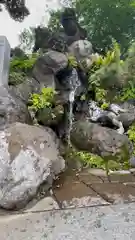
[126, 94]
[115, 76]
[43, 100]
[111, 56]
[23, 65]
[72, 61]
[100, 94]
[85, 158]
[104, 106]
[131, 135]
[92, 160]
[21, 68]
[83, 97]
[108, 71]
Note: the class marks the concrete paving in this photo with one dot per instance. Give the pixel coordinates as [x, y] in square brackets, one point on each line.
[82, 207]
[108, 223]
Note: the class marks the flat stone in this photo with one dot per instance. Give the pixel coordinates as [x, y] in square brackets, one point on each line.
[97, 172]
[115, 192]
[88, 178]
[121, 172]
[121, 178]
[67, 177]
[47, 203]
[76, 194]
[132, 170]
[131, 184]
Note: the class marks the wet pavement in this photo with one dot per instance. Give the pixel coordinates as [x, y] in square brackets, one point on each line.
[92, 188]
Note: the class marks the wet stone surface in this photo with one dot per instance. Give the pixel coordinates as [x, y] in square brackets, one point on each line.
[115, 192]
[86, 188]
[119, 178]
[91, 188]
[73, 193]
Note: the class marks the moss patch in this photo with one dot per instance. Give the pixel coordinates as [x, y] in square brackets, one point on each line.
[16, 78]
[50, 116]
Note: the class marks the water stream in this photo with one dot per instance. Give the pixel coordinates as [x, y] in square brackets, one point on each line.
[74, 84]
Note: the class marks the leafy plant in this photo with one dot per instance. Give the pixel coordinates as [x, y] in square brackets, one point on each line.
[105, 105]
[23, 65]
[92, 160]
[43, 100]
[72, 61]
[108, 72]
[131, 135]
[126, 94]
[100, 94]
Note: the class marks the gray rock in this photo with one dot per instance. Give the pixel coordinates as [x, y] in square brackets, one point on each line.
[132, 161]
[12, 109]
[127, 118]
[48, 65]
[102, 141]
[81, 49]
[25, 89]
[29, 156]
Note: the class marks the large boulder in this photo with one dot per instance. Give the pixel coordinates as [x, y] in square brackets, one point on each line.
[29, 157]
[81, 49]
[12, 109]
[47, 66]
[99, 140]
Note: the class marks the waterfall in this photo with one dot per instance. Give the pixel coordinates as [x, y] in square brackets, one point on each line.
[74, 84]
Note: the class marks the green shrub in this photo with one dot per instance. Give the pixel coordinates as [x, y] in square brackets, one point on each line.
[131, 135]
[23, 65]
[92, 160]
[108, 72]
[72, 61]
[85, 158]
[100, 94]
[126, 94]
[43, 100]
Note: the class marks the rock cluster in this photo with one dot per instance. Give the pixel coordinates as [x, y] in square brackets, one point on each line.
[29, 154]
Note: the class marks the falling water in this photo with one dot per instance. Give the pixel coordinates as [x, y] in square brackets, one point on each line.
[74, 83]
[70, 115]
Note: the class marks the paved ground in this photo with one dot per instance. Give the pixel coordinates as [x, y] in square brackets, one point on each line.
[108, 223]
[92, 188]
[84, 205]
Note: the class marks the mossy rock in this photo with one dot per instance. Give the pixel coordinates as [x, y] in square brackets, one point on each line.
[50, 116]
[104, 142]
[16, 78]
